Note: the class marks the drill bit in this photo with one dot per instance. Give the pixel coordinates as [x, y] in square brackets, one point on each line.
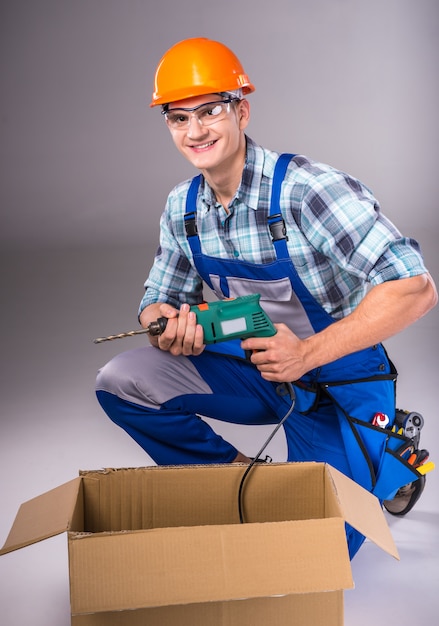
[129, 333]
[154, 328]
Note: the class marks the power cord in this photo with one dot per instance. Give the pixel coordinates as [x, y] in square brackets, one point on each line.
[282, 389]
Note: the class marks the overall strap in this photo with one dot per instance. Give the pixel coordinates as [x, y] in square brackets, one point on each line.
[276, 222]
[318, 317]
[190, 217]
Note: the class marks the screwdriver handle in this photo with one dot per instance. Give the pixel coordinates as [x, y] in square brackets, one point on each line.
[426, 467]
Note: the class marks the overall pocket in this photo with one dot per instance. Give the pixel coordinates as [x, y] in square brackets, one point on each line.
[374, 453]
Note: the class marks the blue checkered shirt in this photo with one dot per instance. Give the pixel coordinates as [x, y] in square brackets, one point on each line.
[338, 238]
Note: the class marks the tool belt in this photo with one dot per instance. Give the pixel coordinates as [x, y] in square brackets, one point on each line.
[380, 457]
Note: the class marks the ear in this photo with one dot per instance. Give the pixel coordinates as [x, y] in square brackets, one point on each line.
[243, 112]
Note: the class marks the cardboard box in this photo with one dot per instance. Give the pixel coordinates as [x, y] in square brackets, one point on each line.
[163, 545]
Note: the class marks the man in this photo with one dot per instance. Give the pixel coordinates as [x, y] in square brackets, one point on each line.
[335, 276]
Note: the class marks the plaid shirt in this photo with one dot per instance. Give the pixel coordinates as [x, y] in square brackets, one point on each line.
[338, 239]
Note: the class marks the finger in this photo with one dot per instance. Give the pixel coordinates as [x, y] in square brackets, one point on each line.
[254, 343]
[189, 336]
[166, 310]
[199, 344]
[167, 338]
[182, 324]
[261, 358]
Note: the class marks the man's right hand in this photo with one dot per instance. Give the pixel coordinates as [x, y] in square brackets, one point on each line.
[182, 334]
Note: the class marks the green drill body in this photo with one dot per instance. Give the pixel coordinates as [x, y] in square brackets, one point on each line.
[237, 318]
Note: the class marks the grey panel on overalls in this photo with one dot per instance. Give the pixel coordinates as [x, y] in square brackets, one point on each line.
[150, 377]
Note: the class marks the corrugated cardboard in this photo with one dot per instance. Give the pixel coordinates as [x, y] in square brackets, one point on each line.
[163, 545]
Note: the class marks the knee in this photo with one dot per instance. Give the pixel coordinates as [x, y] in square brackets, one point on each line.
[108, 374]
[128, 376]
[117, 376]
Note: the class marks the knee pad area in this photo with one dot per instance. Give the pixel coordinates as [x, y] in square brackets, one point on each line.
[150, 377]
[124, 376]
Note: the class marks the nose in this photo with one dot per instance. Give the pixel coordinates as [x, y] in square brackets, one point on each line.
[195, 129]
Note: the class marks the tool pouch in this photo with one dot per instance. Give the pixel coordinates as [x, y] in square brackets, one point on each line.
[361, 385]
[374, 452]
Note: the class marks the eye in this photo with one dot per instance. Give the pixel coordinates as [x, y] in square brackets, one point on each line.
[177, 118]
[211, 111]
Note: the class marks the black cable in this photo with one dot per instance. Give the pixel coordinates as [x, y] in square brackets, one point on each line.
[290, 390]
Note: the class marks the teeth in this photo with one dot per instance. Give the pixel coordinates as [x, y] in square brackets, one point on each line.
[205, 145]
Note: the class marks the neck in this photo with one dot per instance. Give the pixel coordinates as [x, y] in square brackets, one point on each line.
[225, 180]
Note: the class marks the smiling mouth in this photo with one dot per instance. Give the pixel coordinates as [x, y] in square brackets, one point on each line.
[203, 146]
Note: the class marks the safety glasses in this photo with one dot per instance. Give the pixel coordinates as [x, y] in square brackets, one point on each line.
[206, 114]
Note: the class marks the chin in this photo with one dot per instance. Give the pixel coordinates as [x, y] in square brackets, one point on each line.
[202, 160]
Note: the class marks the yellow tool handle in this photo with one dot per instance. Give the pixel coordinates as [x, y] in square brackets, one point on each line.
[427, 467]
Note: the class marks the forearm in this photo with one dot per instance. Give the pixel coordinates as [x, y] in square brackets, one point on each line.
[387, 309]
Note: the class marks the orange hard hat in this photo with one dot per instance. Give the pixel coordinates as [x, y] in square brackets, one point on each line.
[195, 67]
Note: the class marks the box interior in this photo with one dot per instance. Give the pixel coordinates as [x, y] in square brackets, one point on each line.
[146, 498]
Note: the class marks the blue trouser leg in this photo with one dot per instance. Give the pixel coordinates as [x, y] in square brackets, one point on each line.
[173, 436]
[169, 428]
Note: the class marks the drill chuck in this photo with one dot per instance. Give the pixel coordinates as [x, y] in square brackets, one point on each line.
[157, 327]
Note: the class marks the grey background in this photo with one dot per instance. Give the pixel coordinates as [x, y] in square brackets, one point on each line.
[85, 170]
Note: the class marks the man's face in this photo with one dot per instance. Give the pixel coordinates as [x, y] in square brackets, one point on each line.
[210, 147]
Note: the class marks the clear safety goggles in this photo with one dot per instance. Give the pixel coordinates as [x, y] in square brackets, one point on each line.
[205, 114]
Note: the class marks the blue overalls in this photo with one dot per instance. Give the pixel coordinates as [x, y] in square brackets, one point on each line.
[156, 397]
[358, 385]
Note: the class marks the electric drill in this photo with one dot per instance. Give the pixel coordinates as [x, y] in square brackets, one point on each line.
[236, 318]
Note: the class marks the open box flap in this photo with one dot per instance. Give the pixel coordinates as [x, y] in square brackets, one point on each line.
[184, 565]
[362, 510]
[47, 515]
